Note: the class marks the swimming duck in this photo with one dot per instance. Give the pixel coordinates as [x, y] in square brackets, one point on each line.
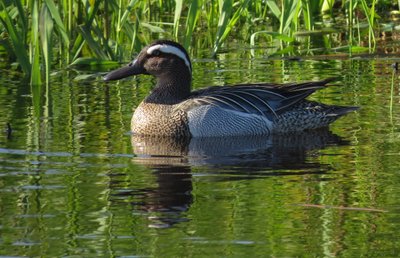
[172, 109]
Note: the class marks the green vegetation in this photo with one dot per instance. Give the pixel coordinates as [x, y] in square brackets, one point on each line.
[43, 35]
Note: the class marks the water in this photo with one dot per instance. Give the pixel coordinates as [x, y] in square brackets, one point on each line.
[73, 182]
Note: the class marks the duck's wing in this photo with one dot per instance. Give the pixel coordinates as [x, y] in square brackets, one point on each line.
[264, 99]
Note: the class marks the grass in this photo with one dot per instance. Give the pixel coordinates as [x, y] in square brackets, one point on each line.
[55, 34]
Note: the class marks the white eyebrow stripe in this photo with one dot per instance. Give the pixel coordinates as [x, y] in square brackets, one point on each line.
[168, 49]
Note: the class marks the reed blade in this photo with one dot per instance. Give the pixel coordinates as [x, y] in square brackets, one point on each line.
[191, 22]
[46, 26]
[35, 46]
[17, 38]
[54, 14]
[177, 16]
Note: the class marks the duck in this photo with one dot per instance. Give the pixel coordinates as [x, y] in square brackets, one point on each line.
[172, 109]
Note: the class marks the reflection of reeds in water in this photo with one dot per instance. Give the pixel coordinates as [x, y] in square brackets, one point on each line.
[395, 69]
[60, 33]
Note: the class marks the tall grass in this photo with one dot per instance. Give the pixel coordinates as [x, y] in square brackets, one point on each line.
[54, 33]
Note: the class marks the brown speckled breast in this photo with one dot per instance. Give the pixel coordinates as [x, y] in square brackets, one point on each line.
[158, 119]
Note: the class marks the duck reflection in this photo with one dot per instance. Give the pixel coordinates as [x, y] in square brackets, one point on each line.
[230, 158]
[276, 151]
[170, 198]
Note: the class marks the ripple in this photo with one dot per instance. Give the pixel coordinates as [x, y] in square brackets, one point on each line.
[42, 187]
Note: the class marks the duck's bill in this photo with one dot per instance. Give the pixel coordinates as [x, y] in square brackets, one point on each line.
[132, 69]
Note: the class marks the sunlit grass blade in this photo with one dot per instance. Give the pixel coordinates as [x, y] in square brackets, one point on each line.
[370, 15]
[274, 9]
[121, 21]
[225, 24]
[327, 6]
[57, 18]
[132, 32]
[350, 25]
[225, 10]
[35, 46]
[46, 26]
[127, 12]
[234, 19]
[287, 15]
[307, 14]
[191, 22]
[177, 16]
[35, 70]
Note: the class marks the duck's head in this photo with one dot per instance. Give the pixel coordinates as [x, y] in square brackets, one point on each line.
[163, 58]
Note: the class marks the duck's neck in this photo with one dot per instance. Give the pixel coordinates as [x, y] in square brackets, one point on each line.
[170, 89]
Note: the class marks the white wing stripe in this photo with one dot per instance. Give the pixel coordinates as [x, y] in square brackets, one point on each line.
[261, 100]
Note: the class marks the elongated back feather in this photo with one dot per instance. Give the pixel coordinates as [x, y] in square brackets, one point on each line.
[264, 99]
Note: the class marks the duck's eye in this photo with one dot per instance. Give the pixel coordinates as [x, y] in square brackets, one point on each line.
[156, 52]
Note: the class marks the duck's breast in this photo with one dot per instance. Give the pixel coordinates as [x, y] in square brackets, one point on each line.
[158, 119]
[214, 121]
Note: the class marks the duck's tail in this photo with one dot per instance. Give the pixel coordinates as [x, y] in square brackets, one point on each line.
[338, 111]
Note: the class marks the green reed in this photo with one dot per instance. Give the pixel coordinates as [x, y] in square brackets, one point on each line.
[54, 33]
[370, 15]
[17, 33]
[395, 68]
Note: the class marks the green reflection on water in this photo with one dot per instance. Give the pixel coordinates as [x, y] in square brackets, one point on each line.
[72, 184]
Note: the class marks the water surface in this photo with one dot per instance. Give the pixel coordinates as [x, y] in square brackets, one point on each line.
[74, 182]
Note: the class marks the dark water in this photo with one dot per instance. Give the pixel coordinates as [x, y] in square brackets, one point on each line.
[73, 182]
